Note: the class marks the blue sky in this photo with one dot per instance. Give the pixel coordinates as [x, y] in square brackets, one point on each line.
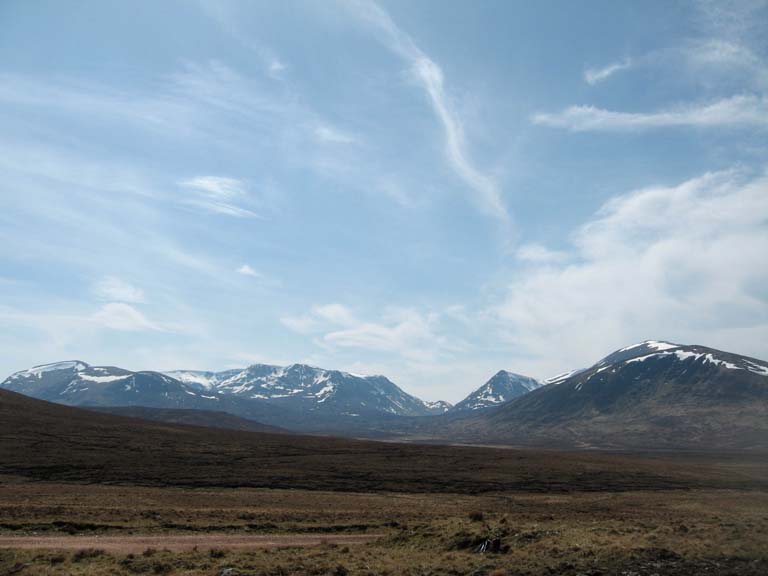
[429, 190]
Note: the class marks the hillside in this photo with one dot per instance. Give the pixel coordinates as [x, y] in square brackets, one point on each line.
[46, 441]
[204, 418]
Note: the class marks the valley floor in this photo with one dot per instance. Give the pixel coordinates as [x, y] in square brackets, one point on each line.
[630, 533]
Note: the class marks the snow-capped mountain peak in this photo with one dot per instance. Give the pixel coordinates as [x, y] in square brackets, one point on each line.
[502, 387]
[690, 354]
[439, 406]
[644, 360]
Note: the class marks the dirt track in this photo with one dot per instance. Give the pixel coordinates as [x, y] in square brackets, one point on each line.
[134, 544]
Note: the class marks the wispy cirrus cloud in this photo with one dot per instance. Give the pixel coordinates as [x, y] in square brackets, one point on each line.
[224, 14]
[719, 59]
[247, 270]
[430, 76]
[124, 317]
[744, 110]
[404, 332]
[220, 195]
[594, 76]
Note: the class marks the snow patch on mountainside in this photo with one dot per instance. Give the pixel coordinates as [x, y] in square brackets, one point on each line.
[564, 376]
[707, 357]
[103, 379]
[38, 371]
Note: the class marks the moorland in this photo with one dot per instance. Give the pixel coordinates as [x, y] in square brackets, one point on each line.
[320, 505]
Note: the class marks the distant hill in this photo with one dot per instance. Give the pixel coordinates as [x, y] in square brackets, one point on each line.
[652, 395]
[45, 441]
[502, 387]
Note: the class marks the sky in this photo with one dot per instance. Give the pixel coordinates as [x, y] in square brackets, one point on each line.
[431, 190]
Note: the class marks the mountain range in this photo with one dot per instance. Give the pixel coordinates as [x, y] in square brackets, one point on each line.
[649, 395]
[308, 388]
[297, 397]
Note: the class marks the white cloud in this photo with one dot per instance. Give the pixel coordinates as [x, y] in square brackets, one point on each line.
[736, 111]
[414, 348]
[404, 332]
[123, 317]
[217, 186]
[430, 76]
[247, 270]
[115, 289]
[594, 76]
[409, 336]
[276, 67]
[684, 263]
[219, 194]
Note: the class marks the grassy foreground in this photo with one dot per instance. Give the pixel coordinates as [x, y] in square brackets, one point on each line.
[623, 533]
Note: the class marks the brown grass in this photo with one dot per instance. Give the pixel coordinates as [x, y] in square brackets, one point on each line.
[678, 532]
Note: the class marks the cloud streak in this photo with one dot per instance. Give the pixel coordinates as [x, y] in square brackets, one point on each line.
[430, 76]
[741, 111]
[594, 76]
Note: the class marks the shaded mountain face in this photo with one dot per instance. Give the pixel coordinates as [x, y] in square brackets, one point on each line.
[650, 395]
[502, 387]
[311, 389]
